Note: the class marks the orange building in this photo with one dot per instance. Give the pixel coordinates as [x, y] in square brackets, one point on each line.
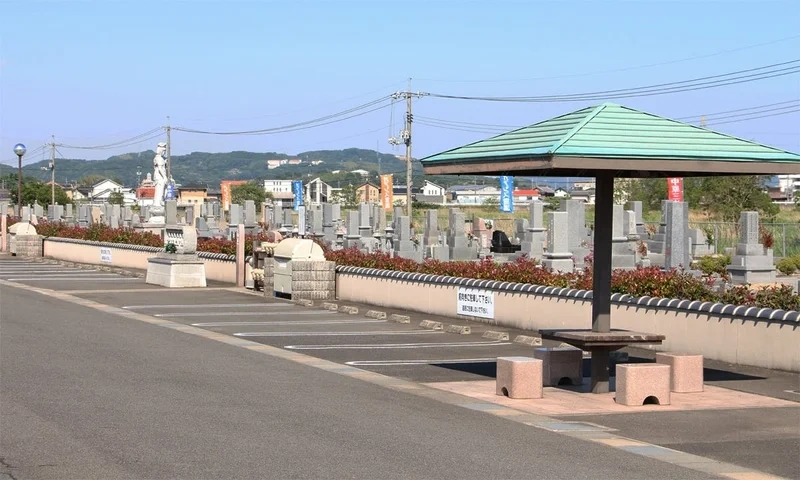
[225, 187]
[368, 192]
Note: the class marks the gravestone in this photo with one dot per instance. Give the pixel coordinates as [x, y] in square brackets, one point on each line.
[457, 242]
[301, 220]
[113, 221]
[69, 217]
[352, 237]
[249, 213]
[534, 238]
[636, 207]
[235, 212]
[752, 262]
[676, 254]
[576, 227]
[135, 220]
[404, 247]
[699, 241]
[37, 210]
[396, 213]
[558, 256]
[328, 230]
[315, 223]
[83, 215]
[622, 247]
[288, 219]
[127, 216]
[170, 212]
[277, 216]
[431, 238]
[336, 212]
[365, 225]
[26, 213]
[521, 226]
[146, 213]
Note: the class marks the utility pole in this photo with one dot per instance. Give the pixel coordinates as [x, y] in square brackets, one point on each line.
[405, 135]
[169, 150]
[53, 171]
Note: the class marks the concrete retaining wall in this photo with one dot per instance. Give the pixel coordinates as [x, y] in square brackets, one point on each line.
[218, 267]
[736, 334]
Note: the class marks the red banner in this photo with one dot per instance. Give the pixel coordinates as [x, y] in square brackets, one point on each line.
[675, 189]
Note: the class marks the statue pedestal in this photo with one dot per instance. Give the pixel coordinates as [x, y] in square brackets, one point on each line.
[176, 270]
[181, 269]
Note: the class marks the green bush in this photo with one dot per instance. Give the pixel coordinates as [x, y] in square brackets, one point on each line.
[787, 266]
[711, 264]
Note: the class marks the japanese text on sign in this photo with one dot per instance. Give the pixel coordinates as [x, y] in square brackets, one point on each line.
[105, 255]
[475, 303]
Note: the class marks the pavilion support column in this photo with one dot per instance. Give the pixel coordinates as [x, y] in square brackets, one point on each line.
[601, 281]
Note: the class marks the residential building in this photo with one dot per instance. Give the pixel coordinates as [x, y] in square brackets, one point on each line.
[525, 196]
[789, 184]
[368, 192]
[430, 189]
[586, 196]
[588, 184]
[560, 193]
[363, 173]
[317, 192]
[102, 190]
[399, 194]
[474, 194]
[192, 195]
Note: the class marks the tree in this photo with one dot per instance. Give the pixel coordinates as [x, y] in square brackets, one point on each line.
[348, 196]
[38, 192]
[249, 191]
[116, 198]
[90, 180]
[727, 197]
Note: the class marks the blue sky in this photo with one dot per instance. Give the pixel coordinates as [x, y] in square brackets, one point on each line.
[97, 72]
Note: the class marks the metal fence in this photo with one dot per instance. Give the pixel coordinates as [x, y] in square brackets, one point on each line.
[726, 235]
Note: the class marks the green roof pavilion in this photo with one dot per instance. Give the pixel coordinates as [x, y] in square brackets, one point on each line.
[608, 141]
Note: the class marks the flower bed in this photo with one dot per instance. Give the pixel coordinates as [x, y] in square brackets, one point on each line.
[130, 236]
[650, 281]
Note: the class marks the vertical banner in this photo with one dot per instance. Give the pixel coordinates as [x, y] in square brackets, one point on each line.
[387, 191]
[506, 194]
[170, 192]
[297, 189]
[675, 189]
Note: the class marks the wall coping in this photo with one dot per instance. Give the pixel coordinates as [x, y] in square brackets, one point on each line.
[695, 306]
[138, 248]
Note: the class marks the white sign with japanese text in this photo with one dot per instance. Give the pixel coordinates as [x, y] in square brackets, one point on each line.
[105, 255]
[475, 303]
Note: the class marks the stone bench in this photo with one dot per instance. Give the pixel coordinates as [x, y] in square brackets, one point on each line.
[686, 371]
[643, 383]
[560, 364]
[519, 377]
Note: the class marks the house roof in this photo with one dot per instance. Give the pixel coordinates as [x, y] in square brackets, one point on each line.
[534, 193]
[611, 137]
[193, 186]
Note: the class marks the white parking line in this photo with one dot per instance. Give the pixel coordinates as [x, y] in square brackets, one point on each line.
[291, 322]
[240, 314]
[333, 334]
[39, 270]
[68, 274]
[378, 346]
[210, 305]
[389, 363]
[74, 279]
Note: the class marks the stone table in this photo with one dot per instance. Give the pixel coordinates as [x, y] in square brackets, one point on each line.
[600, 344]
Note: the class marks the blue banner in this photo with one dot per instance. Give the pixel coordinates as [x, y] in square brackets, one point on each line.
[297, 189]
[169, 193]
[506, 194]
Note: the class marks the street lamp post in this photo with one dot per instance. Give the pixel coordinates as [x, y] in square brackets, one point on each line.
[19, 151]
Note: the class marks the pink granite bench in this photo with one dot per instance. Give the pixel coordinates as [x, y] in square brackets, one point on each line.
[643, 383]
[519, 377]
[686, 374]
[559, 364]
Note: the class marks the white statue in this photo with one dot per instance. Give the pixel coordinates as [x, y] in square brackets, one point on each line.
[159, 175]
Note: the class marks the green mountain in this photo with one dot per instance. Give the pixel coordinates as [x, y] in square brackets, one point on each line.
[211, 168]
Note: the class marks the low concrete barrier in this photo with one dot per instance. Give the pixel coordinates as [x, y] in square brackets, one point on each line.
[219, 267]
[759, 337]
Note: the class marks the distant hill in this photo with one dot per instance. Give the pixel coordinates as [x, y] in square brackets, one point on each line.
[211, 168]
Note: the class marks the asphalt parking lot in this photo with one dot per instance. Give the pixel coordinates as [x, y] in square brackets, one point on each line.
[410, 352]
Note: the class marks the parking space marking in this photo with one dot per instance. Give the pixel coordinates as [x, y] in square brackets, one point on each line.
[289, 322]
[391, 363]
[240, 314]
[378, 346]
[334, 334]
[72, 274]
[208, 305]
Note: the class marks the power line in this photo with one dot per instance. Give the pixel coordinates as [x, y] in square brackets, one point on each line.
[795, 101]
[317, 122]
[618, 70]
[701, 83]
[121, 143]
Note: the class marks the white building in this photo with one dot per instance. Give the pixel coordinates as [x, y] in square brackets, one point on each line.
[102, 190]
[277, 186]
[317, 192]
[474, 194]
[788, 184]
[430, 189]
